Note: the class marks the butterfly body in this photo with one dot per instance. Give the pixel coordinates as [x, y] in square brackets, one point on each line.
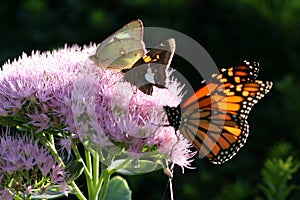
[214, 119]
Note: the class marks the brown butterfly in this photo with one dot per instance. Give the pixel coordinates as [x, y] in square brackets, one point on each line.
[150, 70]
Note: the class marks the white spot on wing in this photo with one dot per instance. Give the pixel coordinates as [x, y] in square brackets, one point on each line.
[149, 76]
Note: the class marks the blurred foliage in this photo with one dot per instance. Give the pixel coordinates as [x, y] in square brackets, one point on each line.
[238, 191]
[277, 173]
[231, 31]
[281, 150]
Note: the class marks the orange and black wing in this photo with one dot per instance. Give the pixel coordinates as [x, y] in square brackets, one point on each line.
[214, 118]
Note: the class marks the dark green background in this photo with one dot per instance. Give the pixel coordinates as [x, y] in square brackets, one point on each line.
[260, 30]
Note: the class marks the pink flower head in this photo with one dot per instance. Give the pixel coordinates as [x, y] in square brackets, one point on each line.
[66, 145]
[64, 90]
[115, 120]
[6, 195]
[27, 166]
[36, 89]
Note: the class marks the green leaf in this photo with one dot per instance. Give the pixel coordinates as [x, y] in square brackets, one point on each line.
[50, 193]
[75, 169]
[135, 167]
[118, 189]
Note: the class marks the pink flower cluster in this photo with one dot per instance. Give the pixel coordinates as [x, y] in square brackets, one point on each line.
[63, 90]
[28, 165]
[36, 89]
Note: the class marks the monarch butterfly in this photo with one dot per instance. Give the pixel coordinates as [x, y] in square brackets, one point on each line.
[214, 119]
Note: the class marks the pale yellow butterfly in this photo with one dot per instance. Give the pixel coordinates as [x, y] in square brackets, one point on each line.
[121, 49]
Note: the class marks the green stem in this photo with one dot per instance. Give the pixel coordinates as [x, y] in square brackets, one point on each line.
[79, 158]
[100, 182]
[88, 173]
[77, 192]
[18, 197]
[106, 178]
[51, 144]
[95, 173]
[95, 169]
[91, 170]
